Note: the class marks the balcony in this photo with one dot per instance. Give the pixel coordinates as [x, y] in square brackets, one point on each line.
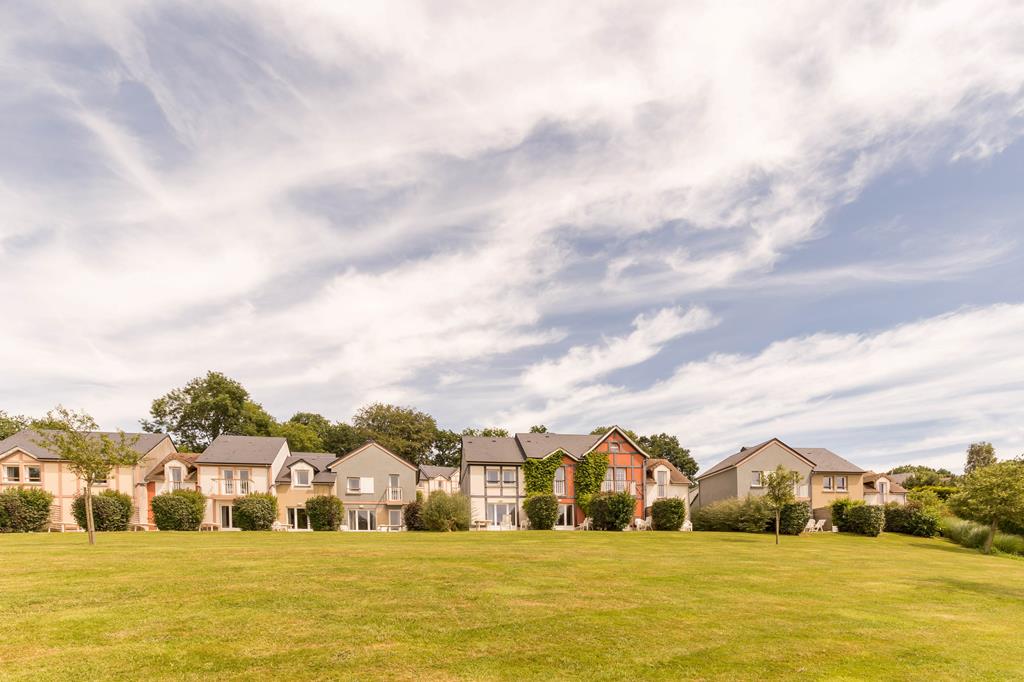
[393, 495]
[232, 486]
[175, 485]
[619, 487]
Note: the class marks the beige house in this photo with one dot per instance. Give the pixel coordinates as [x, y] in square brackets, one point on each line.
[303, 475]
[433, 478]
[881, 489]
[824, 475]
[235, 466]
[176, 471]
[374, 484]
[26, 464]
[665, 481]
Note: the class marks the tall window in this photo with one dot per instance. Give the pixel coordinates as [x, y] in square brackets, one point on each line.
[841, 483]
[501, 513]
[395, 518]
[566, 516]
[662, 477]
[560, 481]
[229, 481]
[620, 479]
[298, 519]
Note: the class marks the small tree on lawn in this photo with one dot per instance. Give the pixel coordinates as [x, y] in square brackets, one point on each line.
[90, 456]
[993, 495]
[778, 492]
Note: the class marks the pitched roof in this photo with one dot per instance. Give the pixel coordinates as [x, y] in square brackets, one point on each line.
[675, 476]
[187, 458]
[537, 445]
[734, 459]
[432, 471]
[491, 450]
[261, 450]
[318, 460]
[826, 461]
[364, 446]
[26, 440]
[870, 478]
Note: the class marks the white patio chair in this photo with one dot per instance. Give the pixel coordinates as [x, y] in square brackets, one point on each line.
[819, 526]
[586, 525]
[506, 522]
[687, 526]
[809, 528]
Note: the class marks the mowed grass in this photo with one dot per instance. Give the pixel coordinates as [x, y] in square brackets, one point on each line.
[506, 606]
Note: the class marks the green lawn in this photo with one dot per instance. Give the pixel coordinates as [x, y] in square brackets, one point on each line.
[506, 606]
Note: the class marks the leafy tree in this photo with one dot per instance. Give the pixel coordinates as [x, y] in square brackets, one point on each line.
[922, 475]
[11, 424]
[979, 455]
[203, 409]
[778, 492]
[343, 438]
[255, 421]
[319, 423]
[301, 438]
[667, 447]
[540, 428]
[405, 431]
[600, 430]
[412, 513]
[443, 512]
[489, 432]
[447, 448]
[90, 456]
[992, 495]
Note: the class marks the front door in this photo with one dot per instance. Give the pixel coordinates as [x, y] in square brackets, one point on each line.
[226, 516]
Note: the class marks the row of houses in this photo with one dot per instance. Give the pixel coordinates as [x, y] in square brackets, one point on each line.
[375, 484]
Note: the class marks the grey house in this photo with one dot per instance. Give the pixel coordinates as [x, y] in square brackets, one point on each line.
[374, 483]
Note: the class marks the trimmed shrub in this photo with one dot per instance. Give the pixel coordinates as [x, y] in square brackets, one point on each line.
[443, 512]
[912, 518]
[413, 514]
[793, 519]
[840, 509]
[865, 520]
[111, 511]
[612, 511]
[972, 535]
[668, 514]
[256, 511]
[24, 510]
[542, 510]
[325, 512]
[943, 492]
[750, 515]
[179, 510]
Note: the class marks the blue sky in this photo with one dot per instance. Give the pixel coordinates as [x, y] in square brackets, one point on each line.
[694, 219]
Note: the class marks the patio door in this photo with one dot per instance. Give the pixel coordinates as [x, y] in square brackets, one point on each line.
[227, 516]
[298, 519]
[362, 519]
[566, 516]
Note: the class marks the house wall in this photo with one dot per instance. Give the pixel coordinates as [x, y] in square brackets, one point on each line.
[429, 485]
[823, 498]
[767, 459]
[481, 494]
[374, 462]
[288, 496]
[719, 486]
[630, 459]
[208, 475]
[673, 490]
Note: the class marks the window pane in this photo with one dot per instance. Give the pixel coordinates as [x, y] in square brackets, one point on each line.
[13, 474]
[510, 476]
[492, 475]
[34, 474]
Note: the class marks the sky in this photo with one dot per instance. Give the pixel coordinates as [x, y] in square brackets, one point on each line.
[728, 222]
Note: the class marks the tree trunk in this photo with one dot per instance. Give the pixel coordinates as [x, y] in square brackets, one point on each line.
[991, 536]
[90, 524]
[778, 514]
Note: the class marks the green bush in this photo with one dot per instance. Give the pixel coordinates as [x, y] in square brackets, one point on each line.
[912, 518]
[668, 514]
[612, 511]
[750, 515]
[793, 519]
[111, 511]
[24, 510]
[443, 512]
[972, 535]
[943, 492]
[865, 520]
[542, 510]
[840, 509]
[256, 511]
[179, 510]
[325, 512]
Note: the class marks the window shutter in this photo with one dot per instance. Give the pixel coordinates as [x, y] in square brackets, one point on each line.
[366, 484]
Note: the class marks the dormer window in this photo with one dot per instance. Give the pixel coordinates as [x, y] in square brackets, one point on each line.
[301, 478]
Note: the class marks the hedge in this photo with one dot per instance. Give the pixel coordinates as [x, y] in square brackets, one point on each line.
[443, 512]
[793, 519]
[179, 510]
[865, 520]
[750, 515]
[912, 519]
[256, 511]
[840, 508]
[612, 511]
[668, 514]
[111, 511]
[542, 510]
[325, 512]
[412, 514]
[973, 535]
[24, 510]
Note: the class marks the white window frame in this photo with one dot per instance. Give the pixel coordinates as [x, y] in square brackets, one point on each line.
[293, 518]
[757, 479]
[826, 483]
[391, 518]
[348, 486]
[295, 480]
[566, 512]
[353, 516]
[8, 468]
[620, 479]
[507, 508]
[508, 476]
[613, 446]
[28, 473]
[497, 476]
[842, 484]
[661, 477]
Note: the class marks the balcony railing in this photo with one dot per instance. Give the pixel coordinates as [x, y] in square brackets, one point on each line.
[394, 494]
[175, 485]
[619, 487]
[232, 486]
[560, 488]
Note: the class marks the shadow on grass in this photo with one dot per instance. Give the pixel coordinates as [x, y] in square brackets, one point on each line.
[986, 589]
